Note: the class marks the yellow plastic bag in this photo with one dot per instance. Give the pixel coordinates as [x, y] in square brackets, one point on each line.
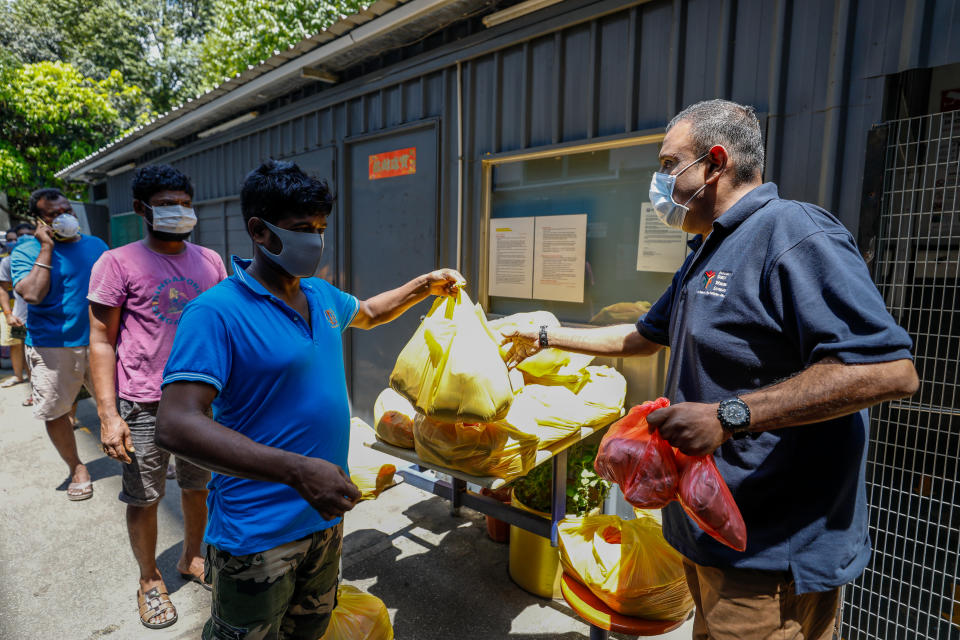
[451, 368]
[358, 616]
[372, 479]
[393, 416]
[484, 449]
[549, 413]
[603, 395]
[627, 564]
[553, 413]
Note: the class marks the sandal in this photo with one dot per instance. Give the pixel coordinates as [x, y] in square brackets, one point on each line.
[189, 577]
[28, 402]
[153, 605]
[12, 381]
[85, 489]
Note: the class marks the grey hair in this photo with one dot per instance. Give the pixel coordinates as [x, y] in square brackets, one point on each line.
[731, 125]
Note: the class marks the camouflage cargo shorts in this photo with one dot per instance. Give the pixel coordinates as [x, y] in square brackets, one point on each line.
[284, 593]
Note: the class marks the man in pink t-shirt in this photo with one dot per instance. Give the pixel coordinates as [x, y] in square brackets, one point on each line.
[137, 294]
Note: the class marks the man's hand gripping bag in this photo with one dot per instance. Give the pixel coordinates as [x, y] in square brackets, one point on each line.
[641, 462]
[451, 369]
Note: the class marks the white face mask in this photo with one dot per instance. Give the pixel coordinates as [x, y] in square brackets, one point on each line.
[173, 218]
[65, 226]
[668, 210]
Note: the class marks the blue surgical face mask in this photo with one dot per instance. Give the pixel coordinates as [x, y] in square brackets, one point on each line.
[300, 253]
[669, 211]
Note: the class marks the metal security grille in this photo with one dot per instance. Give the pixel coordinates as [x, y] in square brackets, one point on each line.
[911, 589]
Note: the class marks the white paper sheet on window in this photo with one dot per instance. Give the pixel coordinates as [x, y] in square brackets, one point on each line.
[559, 257]
[511, 257]
[660, 248]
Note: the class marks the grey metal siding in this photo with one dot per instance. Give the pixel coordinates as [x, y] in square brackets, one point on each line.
[584, 70]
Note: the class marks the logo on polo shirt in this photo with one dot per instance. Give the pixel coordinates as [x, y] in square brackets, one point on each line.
[714, 283]
[332, 318]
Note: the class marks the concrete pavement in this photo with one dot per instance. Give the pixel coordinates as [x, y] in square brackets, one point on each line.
[68, 572]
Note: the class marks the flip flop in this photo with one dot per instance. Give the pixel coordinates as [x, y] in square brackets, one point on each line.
[189, 577]
[12, 381]
[155, 603]
[85, 488]
[28, 402]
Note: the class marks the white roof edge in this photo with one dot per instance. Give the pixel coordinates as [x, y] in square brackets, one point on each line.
[392, 19]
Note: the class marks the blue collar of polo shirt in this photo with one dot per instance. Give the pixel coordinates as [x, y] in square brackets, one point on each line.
[240, 271]
[746, 206]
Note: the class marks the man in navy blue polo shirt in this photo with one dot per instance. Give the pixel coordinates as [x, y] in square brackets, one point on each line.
[779, 341]
[264, 350]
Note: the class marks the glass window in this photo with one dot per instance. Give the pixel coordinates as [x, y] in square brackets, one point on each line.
[609, 186]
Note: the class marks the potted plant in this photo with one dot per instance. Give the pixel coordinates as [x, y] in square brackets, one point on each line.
[534, 564]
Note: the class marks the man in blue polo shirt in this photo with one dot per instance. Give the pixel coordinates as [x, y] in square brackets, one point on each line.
[51, 271]
[264, 349]
[779, 340]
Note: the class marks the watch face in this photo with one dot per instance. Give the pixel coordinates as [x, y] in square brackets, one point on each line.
[734, 414]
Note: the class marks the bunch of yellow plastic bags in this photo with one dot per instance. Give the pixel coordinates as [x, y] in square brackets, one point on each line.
[483, 449]
[627, 564]
[451, 368]
[455, 403]
[358, 616]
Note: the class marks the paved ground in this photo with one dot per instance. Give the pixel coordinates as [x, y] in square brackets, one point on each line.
[68, 573]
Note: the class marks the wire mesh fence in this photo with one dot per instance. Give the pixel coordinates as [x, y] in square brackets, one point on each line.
[911, 590]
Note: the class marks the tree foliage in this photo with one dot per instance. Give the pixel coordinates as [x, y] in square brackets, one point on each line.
[154, 44]
[244, 32]
[75, 74]
[51, 115]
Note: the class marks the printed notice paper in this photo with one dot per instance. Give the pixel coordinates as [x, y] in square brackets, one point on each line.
[559, 257]
[511, 257]
[661, 248]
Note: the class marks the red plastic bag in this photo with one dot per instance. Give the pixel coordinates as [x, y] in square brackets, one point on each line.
[708, 501]
[652, 474]
[642, 463]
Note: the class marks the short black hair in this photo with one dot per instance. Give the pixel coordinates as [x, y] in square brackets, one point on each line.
[277, 189]
[24, 225]
[155, 178]
[735, 126]
[48, 193]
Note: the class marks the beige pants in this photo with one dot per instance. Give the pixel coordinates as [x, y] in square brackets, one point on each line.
[739, 604]
[57, 374]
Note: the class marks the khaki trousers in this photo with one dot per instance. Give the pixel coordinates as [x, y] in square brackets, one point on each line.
[741, 604]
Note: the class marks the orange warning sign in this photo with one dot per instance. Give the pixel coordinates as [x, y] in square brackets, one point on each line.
[401, 162]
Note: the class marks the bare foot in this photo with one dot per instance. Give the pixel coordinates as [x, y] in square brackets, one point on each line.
[191, 566]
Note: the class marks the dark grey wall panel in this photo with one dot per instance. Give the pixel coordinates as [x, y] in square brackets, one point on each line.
[814, 68]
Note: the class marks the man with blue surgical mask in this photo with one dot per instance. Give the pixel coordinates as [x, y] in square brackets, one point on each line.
[137, 296]
[264, 350]
[51, 271]
[779, 341]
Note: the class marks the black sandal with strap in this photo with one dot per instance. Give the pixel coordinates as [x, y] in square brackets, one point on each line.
[153, 605]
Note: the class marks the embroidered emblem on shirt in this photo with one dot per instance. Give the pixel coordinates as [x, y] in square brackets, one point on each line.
[171, 296]
[708, 277]
[714, 283]
[332, 318]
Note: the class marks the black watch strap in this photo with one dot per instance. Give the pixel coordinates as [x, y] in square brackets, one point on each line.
[544, 343]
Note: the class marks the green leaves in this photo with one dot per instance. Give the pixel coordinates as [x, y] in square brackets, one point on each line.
[51, 115]
[585, 491]
[244, 32]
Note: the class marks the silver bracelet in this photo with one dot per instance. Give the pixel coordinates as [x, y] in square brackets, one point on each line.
[40, 264]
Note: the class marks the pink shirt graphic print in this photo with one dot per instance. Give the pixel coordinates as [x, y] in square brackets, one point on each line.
[152, 289]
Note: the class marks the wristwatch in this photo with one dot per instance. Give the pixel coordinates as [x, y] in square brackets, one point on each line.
[544, 343]
[734, 416]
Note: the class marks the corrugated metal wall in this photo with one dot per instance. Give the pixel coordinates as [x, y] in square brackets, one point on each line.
[816, 69]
